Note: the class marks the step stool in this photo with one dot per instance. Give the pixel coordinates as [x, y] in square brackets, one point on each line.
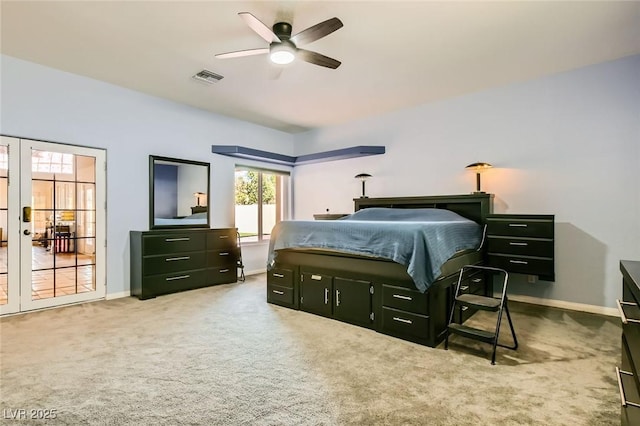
[483, 303]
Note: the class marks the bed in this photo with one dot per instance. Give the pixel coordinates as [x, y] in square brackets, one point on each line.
[394, 276]
[193, 219]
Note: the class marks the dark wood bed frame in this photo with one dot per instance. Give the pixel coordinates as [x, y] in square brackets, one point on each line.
[375, 293]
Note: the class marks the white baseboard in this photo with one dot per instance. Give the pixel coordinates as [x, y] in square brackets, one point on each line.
[602, 310]
[128, 293]
[118, 295]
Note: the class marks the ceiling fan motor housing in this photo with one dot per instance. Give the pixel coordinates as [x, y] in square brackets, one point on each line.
[282, 30]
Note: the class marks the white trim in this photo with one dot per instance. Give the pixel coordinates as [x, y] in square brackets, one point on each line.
[111, 296]
[593, 309]
[255, 272]
[48, 308]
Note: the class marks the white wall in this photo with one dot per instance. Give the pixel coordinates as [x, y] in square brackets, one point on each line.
[567, 145]
[42, 103]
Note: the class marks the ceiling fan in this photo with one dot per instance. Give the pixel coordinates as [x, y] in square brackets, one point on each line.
[283, 47]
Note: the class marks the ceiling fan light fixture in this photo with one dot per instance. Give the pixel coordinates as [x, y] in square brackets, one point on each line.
[282, 53]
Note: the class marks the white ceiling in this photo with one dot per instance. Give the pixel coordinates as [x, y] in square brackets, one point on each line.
[394, 54]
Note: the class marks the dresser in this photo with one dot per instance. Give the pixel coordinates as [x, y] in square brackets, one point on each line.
[628, 379]
[169, 261]
[522, 244]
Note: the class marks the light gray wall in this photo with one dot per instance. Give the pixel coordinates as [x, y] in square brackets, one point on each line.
[42, 103]
[566, 144]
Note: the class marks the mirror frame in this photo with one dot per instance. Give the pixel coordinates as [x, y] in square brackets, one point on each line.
[153, 159]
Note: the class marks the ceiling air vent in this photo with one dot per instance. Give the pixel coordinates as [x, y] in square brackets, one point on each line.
[208, 77]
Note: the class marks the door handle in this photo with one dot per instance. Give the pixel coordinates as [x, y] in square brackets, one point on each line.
[26, 232]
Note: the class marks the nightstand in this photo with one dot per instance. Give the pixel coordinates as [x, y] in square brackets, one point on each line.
[329, 216]
[522, 244]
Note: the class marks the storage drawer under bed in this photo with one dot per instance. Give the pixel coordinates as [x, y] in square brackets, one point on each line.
[405, 324]
[405, 299]
[280, 287]
[281, 277]
[280, 295]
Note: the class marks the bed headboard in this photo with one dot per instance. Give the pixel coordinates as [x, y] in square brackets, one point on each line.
[473, 206]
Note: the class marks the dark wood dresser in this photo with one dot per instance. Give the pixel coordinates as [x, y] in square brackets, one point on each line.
[522, 244]
[629, 307]
[169, 261]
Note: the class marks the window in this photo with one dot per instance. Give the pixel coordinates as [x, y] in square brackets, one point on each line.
[262, 200]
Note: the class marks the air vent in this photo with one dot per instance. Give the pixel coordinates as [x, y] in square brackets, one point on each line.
[207, 77]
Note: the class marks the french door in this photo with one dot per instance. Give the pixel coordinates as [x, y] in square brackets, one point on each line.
[52, 224]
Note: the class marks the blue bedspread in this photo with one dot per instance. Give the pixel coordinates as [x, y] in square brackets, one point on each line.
[421, 239]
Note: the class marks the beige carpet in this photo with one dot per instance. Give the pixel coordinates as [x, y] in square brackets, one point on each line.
[223, 356]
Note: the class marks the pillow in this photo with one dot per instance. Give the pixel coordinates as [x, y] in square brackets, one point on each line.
[405, 215]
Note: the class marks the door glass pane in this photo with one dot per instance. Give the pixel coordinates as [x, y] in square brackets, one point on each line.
[65, 196]
[48, 162]
[86, 169]
[63, 225]
[86, 278]
[42, 284]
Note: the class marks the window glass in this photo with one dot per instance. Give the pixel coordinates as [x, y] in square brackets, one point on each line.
[261, 201]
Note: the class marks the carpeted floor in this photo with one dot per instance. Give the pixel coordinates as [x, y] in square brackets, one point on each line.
[223, 356]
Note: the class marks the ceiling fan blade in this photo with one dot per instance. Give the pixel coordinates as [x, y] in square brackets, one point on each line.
[256, 25]
[318, 59]
[316, 32]
[240, 53]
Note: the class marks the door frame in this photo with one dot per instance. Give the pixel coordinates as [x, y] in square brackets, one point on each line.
[13, 226]
[20, 245]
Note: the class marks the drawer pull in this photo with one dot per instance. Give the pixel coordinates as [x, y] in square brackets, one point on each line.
[278, 292]
[278, 275]
[173, 259]
[519, 262]
[226, 253]
[180, 277]
[223, 236]
[623, 317]
[476, 280]
[337, 297]
[400, 296]
[464, 308]
[464, 288]
[406, 321]
[513, 243]
[623, 398]
[518, 225]
[223, 271]
[316, 277]
[171, 240]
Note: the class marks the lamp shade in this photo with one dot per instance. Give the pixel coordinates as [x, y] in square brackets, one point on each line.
[479, 167]
[363, 176]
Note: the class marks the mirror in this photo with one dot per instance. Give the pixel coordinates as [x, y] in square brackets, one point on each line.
[178, 193]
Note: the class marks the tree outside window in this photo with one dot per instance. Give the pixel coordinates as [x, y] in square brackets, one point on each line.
[260, 202]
